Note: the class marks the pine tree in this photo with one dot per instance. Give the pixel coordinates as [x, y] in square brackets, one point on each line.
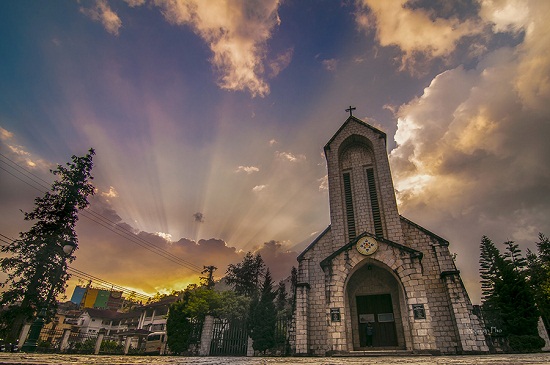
[281, 297]
[293, 287]
[516, 303]
[544, 249]
[508, 302]
[37, 266]
[538, 270]
[263, 317]
[488, 262]
[513, 255]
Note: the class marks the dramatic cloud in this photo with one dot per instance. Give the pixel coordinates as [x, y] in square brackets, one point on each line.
[473, 151]
[288, 156]
[248, 169]
[416, 31]
[5, 135]
[112, 193]
[103, 13]
[152, 262]
[19, 154]
[258, 188]
[146, 262]
[280, 62]
[134, 3]
[277, 259]
[166, 236]
[330, 64]
[507, 15]
[236, 32]
[323, 183]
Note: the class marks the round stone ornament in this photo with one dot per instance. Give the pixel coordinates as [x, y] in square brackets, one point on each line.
[367, 245]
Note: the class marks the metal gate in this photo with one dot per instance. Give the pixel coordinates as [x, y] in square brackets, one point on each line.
[229, 338]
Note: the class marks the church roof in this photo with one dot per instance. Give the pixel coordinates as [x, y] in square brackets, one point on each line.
[301, 256]
[347, 246]
[441, 241]
[357, 120]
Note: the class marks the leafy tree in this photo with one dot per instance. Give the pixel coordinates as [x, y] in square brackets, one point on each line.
[36, 265]
[245, 276]
[263, 317]
[233, 306]
[186, 316]
[158, 296]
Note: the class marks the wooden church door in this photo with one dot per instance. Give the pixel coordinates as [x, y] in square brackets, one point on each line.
[378, 310]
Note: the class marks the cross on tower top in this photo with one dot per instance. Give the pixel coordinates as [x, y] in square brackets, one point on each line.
[350, 110]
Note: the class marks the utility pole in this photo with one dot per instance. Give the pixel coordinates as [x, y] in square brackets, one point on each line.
[210, 277]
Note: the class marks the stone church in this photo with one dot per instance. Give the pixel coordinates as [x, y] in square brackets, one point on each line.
[374, 280]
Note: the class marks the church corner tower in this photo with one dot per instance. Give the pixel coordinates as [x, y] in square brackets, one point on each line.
[374, 280]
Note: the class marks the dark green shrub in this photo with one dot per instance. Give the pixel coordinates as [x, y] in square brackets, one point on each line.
[526, 343]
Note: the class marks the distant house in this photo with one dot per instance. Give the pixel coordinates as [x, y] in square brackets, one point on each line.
[92, 320]
[151, 317]
[154, 315]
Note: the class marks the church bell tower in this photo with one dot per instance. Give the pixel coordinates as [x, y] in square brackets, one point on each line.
[361, 192]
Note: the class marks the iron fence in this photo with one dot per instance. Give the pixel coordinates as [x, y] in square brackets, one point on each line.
[112, 345]
[229, 338]
[82, 343]
[49, 340]
[282, 336]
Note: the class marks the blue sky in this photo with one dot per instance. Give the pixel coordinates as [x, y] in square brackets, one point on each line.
[222, 108]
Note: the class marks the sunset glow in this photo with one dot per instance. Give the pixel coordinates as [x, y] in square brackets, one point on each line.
[209, 120]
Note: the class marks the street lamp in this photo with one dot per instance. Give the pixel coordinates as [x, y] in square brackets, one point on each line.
[36, 327]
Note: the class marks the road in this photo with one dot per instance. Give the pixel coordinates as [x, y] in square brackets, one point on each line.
[46, 359]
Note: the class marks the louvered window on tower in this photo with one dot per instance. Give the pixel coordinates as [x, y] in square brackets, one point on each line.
[349, 206]
[375, 207]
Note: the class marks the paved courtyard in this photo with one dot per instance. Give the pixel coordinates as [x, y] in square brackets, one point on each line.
[44, 359]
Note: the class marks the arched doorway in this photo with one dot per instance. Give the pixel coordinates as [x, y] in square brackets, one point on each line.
[376, 304]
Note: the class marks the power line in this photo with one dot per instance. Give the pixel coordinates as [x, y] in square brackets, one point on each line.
[108, 285]
[127, 234]
[100, 219]
[97, 281]
[26, 172]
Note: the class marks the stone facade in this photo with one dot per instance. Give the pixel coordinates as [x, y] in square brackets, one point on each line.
[408, 289]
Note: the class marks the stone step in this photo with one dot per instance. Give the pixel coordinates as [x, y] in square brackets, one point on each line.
[376, 352]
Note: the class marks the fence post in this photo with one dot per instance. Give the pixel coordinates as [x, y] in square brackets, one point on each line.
[127, 343]
[250, 347]
[24, 333]
[65, 340]
[206, 336]
[544, 334]
[99, 341]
